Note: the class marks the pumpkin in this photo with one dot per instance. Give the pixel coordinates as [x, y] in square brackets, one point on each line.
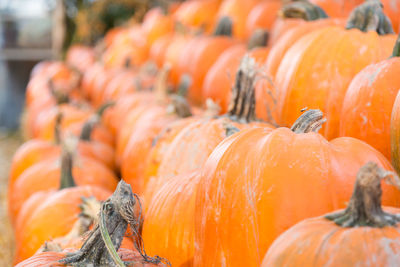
[197, 14]
[256, 183]
[156, 24]
[159, 49]
[238, 11]
[293, 14]
[392, 9]
[53, 217]
[362, 234]
[368, 102]
[168, 229]
[220, 77]
[80, 57]
[200, 54]
[262, 16]
[395, 132]
[286, 40]
[304, 64]
[50, 174]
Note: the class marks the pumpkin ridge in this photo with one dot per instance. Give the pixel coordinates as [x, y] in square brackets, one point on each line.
[364, 208]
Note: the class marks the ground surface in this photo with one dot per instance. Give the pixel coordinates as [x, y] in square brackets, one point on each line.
[8, 144]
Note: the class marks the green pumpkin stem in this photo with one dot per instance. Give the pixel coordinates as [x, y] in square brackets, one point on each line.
[369, 16]
[89, 125]
[243, 101]
[396, 49]
[302, 9]
[224, 27]
[310, 121]
[67, 178]
[364, 208]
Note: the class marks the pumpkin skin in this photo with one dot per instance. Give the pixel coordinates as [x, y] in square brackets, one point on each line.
[80, 57]
[159, 49]
[168, 229]
[45, 175]
[290, 36]
[53, 218]
[197, 14]
[238, 11]
[302, 66]
[203, 52]
[51, 258]
[301, 168]
[156, 24]
[338, 8]
[368, 103]
[262, 16]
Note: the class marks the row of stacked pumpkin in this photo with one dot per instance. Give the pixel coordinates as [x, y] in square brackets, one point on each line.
[197, 123]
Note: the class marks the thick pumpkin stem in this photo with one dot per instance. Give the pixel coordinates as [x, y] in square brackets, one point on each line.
[88, 127]
[259, 38]
[396, 49]
[67, 178]
[302, 9]
[243, 100]
[310, 121]
[364, 208]
[369, 16]
[224, 27]
[104, 240]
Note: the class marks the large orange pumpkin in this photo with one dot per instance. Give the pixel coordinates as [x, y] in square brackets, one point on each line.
[310, 78]
[367, 105]
[256, 184]
[168, 229]
[363, 234]
[262, 16]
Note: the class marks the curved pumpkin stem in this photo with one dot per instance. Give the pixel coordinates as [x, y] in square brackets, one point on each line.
[396, 49]
[310, 121]
[259, 38]
[369, 16]
[302, 9]
[364, 208]
[224, 27]
[67, 178]
[89, 125]
[242, 104]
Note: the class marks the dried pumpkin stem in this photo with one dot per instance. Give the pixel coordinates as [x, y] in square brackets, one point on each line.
[242, 105]
[57, 128]
[369, 16]
[67, 178]
[302, 9]
[259, 38]
[89, 125]
[364, 208]
[60, 98]
[396, 49]
[224, 27]
[310, 121]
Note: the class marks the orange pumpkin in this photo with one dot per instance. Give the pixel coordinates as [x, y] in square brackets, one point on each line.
[52, 217]
[256, 184]
[50, 174]
[168, 229]
[80, 57]
[238, 11]
[358, 235]
[392, 9]
[262, 16]
[159, 49]
[156, 24]
[198, 14]
[304, 64]
[367, 105]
